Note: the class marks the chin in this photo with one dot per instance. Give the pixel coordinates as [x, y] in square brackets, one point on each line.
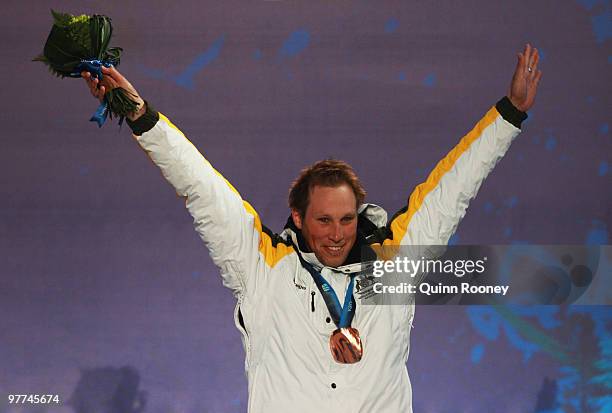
[335, 262]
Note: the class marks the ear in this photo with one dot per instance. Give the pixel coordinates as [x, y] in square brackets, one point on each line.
[297, 218]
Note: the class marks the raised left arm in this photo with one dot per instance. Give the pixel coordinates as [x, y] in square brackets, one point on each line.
[436, 206]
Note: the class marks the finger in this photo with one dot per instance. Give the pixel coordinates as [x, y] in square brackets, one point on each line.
[111, 71]
[99, 94]
[537, 78]
[532, 57]
[520, 65]
[116, 77]
[87, 78]
[108, 83]
[536, 55]
[528, 56]
[105, 72]
[519, 61]
[524, 55]
[534, 62]
[106, 75]
[92, 86]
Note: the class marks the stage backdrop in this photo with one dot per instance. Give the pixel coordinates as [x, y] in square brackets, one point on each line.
[108, 297]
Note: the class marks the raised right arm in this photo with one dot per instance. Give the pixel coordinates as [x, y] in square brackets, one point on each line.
[229, 226]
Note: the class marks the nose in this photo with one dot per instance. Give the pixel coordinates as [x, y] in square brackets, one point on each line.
[337, 233]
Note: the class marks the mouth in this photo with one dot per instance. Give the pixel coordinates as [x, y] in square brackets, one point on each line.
[334, 250]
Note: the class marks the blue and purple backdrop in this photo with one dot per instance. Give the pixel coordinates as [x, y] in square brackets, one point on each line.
[107, 295]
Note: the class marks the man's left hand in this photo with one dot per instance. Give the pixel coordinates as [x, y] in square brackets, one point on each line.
[525, 79]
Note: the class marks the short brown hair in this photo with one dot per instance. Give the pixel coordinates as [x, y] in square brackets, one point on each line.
[329, 172]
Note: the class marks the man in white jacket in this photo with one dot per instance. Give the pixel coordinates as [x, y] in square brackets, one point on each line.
[309, 346]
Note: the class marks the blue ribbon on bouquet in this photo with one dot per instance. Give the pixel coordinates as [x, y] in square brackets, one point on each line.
[94, 66]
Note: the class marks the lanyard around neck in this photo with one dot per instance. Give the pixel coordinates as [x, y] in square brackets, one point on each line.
[342, 315]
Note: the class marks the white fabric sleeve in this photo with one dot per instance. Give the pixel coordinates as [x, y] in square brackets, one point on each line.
[223, 220]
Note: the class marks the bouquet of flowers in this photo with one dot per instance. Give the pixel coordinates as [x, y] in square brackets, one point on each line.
[81, 43]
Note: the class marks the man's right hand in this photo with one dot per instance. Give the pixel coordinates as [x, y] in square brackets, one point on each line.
[111, 78]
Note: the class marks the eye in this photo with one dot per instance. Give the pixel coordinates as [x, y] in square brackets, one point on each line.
[348, 220]
[324, 220]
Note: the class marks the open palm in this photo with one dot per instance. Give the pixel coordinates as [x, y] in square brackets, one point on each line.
[525, 79]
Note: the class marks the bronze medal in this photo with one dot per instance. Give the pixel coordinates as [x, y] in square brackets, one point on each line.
[345, 345]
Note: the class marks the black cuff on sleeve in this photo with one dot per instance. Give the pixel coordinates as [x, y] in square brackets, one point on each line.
[509, 112]
[144, 123]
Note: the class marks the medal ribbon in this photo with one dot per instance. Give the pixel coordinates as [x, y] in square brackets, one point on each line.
[342, 316]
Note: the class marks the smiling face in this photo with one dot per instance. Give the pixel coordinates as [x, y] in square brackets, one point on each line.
[329, 225]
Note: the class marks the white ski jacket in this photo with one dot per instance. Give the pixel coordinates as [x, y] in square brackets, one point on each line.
[283, 319]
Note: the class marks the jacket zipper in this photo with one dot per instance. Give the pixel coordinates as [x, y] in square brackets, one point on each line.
[312, 295]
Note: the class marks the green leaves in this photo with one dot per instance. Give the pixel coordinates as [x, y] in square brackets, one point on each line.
[100, 32]
[76, 38]
[73, 38]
